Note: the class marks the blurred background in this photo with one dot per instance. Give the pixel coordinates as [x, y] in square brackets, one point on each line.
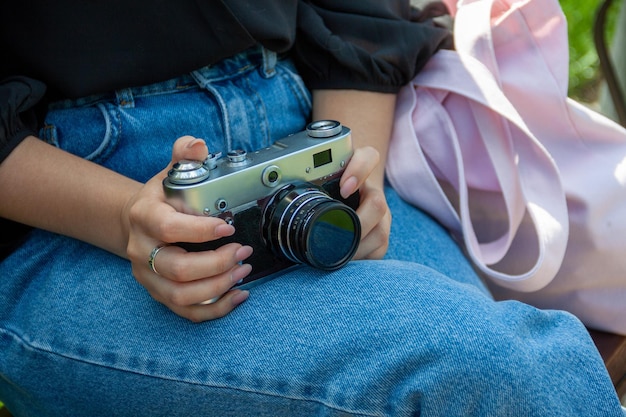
[585, 75]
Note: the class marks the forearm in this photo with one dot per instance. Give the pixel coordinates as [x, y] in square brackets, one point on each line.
[50, 189]
[368, 114]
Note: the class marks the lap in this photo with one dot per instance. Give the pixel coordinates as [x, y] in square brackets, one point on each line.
[374, 337]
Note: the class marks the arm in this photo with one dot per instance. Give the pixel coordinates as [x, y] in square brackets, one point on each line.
[61, 193]
[370, 116]
[48, 188]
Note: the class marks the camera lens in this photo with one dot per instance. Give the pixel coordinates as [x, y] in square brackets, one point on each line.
[303, 224]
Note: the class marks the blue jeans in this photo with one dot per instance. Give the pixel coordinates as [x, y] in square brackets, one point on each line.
[414, 334]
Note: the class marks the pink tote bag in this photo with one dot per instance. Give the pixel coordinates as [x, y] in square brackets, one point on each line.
[531, 183]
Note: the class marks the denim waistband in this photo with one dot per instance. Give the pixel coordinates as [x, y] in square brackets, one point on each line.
[253, 58]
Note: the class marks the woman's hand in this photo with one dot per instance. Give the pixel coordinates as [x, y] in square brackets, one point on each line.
[370, 117]
[136, 219]
[373, 210]
[179, 279]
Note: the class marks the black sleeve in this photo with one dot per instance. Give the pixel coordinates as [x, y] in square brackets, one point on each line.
[367, 44]
[19, 97]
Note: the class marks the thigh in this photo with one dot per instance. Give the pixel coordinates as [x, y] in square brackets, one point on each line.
[417, 237]
[79, 335]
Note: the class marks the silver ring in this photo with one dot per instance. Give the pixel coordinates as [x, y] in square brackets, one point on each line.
[153, 255]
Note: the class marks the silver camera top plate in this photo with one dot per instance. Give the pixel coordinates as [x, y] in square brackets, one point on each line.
[240, 178]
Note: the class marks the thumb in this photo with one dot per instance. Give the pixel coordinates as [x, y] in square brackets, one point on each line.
[188, 147]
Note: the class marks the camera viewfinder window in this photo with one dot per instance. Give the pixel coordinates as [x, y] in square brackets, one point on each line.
[322, 158]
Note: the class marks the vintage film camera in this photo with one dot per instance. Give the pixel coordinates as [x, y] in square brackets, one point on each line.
[283, 200]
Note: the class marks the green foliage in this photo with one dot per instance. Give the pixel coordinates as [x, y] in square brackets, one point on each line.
[584, 67]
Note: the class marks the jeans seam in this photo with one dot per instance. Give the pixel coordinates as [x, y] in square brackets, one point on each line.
[224, 114]
[110, 117]
[40, 349]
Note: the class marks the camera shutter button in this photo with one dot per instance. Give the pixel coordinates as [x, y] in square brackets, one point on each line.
[188, 172]
[323, 129]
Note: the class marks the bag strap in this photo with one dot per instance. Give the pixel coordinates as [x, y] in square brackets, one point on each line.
[517, 157]
[535, 28]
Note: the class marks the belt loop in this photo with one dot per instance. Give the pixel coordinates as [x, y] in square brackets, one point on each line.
[269, 63]
[125, 98]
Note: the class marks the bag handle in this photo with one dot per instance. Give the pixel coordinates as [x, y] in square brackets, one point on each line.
[517, 157]
[532, 27]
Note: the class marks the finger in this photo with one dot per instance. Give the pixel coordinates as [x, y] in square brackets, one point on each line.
[188, 147]
[372, 208]
[202, 312]
[363, 162]
[170, 226]
[151, 216]
[375, 244]
[187, 292]
[375, 224]
[177, 264]
[184, 294]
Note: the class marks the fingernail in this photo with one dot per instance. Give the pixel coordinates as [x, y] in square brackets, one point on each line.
[222, 230]
[240, 273]
[243, 253]
[239, 297]
[349, 187]
[194, 143]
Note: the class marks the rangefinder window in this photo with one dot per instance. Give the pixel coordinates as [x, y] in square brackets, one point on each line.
[322, 158]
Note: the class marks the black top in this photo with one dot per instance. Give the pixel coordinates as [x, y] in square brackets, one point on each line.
[52, 50]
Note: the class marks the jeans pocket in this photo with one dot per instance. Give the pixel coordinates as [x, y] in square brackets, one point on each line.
[90, 132]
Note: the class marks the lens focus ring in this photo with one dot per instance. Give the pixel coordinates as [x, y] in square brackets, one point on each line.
[305, 225]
